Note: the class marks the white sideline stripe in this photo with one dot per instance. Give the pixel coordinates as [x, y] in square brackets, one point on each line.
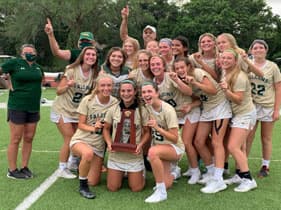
[48, 103]
[36, 194]
[38, 151]
[57, 151]
[256, 158]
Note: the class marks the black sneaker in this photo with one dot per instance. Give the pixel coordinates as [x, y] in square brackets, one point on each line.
[264, 172]
[16, 174]
[27, 172]
[86, 193]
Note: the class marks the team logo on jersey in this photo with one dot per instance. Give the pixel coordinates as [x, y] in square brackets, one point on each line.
[128, 113]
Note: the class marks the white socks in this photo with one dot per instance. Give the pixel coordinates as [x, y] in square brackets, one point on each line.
[62, 165]
[265, 163]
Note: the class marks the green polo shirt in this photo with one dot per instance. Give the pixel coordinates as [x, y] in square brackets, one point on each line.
[74, 53]
[26, 81]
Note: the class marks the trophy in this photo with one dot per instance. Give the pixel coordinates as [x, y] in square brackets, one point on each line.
[125, 138]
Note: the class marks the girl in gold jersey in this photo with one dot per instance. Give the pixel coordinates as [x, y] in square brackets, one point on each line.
[77, 82]
[226, 41]
[121, 162]
[141, 70]
[167, 146]
[114, 66]
[189, 116]
[206, 56]
[214, 118]
[87, 142]
[171, 90]
[237, 89]
[130, 47]
[266, 92]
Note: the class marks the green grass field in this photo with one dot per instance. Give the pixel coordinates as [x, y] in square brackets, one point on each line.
[63, 194]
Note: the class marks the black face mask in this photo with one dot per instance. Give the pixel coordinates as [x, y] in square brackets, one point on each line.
[30, 57]
[82, 45]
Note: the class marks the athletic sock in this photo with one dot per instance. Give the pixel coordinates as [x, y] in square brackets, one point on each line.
[225, 165]
[62, 165]
[83, 183]
[265, 163]
[146, 163]
[246, 175]
[210, 168]
[82, 178]
[218, 173]
[237, 171]
[161, 186]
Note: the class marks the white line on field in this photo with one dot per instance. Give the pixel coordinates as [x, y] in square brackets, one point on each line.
[38, 151]
[36, 194]
[56, 151]
[256, 158]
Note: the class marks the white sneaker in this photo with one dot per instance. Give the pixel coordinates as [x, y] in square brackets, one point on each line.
[205, 178]
[214, 186]
[233, 180]
[66, 173]
[187, 173]
[194, 177]
[246, 185]
[156, 197]
[176, 172]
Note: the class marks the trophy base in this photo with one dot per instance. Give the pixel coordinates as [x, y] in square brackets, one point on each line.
[121, 147]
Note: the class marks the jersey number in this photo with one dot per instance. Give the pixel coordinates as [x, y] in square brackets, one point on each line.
[257, 89]
[157, 136]
[203, 98]
[77, 97]
[172, 102]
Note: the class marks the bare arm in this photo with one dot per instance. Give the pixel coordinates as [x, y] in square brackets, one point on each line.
[207, 68]
[206, 85]
[82, 124]
[124, 24]
[171, 134]
[56, 51]
[235, 97]
[184, 88]
[64, 85]
[277, 103]
[106, 135]
[144, 138]
[251, 66]
[186, 108]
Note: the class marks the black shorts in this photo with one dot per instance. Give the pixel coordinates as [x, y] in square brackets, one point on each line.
[22, 117]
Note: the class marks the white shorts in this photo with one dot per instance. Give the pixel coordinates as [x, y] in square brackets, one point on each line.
[246, 121]
[193, 116]
[264, 114]
[221, 111]
[126, 167]
[178, 150]
[95, 151]
[55, 117]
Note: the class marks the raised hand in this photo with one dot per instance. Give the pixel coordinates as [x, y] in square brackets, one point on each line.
[125, 12]
[49, 27]
[70, 82]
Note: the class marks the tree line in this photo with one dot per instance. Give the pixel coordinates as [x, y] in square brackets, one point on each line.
[23, 22]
